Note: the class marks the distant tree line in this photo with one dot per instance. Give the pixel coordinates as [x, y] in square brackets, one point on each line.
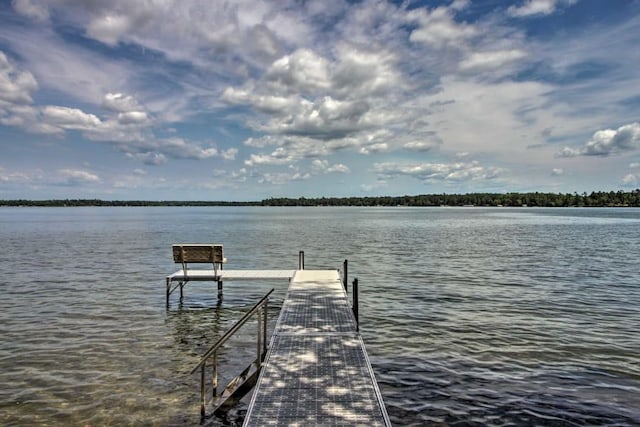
[98, 202]
[595, 199]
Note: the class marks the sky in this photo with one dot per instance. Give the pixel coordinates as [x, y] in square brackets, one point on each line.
[251, 99]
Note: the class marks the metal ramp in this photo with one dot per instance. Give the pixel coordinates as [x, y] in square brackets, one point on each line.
[316, 372]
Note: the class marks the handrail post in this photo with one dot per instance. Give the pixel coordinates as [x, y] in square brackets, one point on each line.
[301, 260]
[259, 347]
[355, 303]
[345, 275]
[264, 328]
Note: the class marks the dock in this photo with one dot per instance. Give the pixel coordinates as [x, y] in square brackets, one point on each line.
[316, 371]
[221, 276]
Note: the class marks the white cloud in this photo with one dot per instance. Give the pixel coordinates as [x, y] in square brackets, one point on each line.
[149, 158]
[179, 148]
[379, 147]
[568, 152]
[13, 177]
[158, 151]
[431, 172]
[557, 172]
[278, 157]
[120, 103]
[323, 167]
[634, 165]
[70, 118]
[240, 175]
[283, 177]
[338, 168]
[270, 104]
[419, 146]
[126, 127]
[631, 180]
[307, 94]
[263, 141]
[31, 9]
[28, 118]
[538, 7]
[608, 141]
[132, 117]
[460, 4]
[479, 61]
[229, 154]
[302, 71]
[439, 28]
[16, 85]
[364, 73]
[314, 105]
[499, 117]
[78, 177]
[291, 149]
[326, 118]
[198, 32]
[380, 183]
[67, 68]
[109, 28]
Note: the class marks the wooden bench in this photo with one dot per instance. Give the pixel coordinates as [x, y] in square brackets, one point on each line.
[196, 253]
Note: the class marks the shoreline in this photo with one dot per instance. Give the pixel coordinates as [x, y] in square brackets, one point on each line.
[535, 199]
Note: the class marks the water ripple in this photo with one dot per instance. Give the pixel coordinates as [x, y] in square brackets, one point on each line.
[470, 316]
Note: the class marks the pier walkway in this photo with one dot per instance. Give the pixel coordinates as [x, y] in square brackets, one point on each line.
[220, 276]
[316, 372]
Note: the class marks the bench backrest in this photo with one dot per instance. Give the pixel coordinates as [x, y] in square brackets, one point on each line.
[198, 253]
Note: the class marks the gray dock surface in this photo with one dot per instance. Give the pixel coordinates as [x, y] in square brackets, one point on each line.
[195, 275]
[317, 372]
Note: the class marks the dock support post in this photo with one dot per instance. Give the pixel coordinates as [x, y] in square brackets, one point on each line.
[181, 294]
[219, 288]
[355, 303]
[202, 392]
[168, 290]
[345, 275]
[301, 260]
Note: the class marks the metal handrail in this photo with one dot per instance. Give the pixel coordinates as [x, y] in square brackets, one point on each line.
[261, 305]
[231, 331]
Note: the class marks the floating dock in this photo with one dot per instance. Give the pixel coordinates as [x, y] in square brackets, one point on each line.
[316, 371]
[221, 276]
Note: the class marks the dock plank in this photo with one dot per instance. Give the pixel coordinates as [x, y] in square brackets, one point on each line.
[317, 372]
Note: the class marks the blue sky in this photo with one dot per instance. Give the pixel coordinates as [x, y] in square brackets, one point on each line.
[245, 100]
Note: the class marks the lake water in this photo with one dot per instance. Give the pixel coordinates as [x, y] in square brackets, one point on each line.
[471, 316]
